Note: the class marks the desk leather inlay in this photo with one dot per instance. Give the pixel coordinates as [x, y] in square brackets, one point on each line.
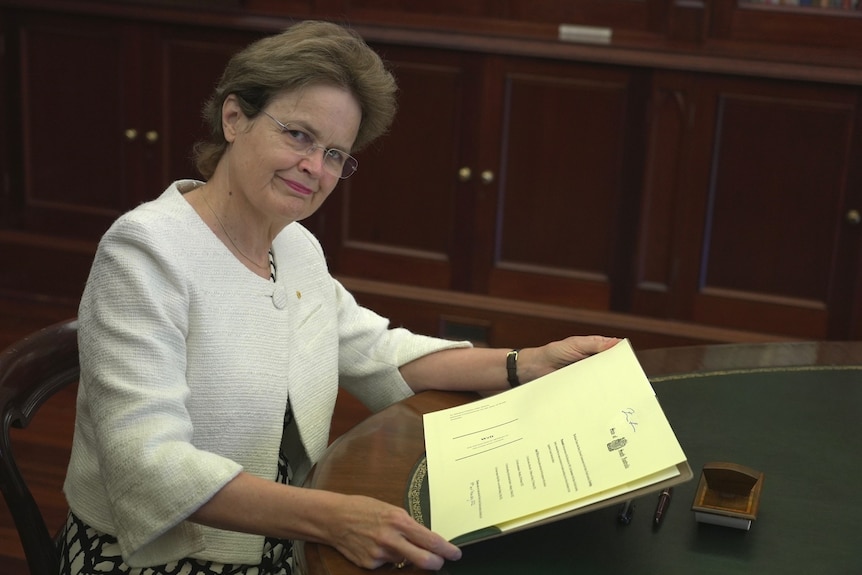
[794, 424]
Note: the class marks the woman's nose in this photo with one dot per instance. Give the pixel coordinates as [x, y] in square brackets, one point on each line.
[312, 161]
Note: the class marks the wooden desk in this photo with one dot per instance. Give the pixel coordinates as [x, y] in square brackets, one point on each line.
[791, 410]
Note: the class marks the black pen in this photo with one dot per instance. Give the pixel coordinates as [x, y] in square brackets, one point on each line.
[663, 502]
[627, 509]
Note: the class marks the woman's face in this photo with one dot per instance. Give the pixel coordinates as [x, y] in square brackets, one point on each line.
[265, 169]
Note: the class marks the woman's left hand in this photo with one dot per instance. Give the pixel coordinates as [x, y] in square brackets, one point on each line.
[538, 361]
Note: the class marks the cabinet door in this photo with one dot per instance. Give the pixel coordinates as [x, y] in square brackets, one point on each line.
[109, 109]
[402, 216]
[78, 96]
[747, 218]
[186, 66]
[564, 201]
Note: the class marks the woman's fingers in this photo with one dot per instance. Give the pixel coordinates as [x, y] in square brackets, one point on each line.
[427, 549]
[381, 533]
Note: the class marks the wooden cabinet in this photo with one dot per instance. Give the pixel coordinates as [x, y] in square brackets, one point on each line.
[702, 167]
[103, 113]
[706, 198]
[751, 202]
[501, 175]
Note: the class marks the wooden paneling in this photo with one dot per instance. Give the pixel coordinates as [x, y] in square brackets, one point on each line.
[795, 27]
[494, 174]
[538, 16]
[298, 8]
[752, 181]
[187, 68]
[44, 267]
[617, 14]
[398, 214]
[502, 322]
[136, 105]
[76, 164]
[775, 203]
[8, 156]
[459, 8]
[96, 138]
[656, 264]
[561, 182]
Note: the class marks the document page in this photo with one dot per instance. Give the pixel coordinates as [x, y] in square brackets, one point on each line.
[586, 432]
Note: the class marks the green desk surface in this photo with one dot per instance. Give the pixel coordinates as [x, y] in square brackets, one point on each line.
[798, 425]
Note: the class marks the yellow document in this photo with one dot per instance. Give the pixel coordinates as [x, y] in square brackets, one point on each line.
[589, 433]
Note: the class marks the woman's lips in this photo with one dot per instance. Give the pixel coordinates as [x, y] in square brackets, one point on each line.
[299, 188]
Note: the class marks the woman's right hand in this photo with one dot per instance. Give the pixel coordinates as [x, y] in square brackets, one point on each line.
[367, 531]
[372, 533]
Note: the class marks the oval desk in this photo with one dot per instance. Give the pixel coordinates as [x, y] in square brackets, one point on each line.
[790, 410]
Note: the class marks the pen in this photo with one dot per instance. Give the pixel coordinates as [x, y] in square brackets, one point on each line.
[627, 509]
[663, 502]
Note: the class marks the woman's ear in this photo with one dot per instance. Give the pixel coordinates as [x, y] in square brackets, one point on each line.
[231, 117]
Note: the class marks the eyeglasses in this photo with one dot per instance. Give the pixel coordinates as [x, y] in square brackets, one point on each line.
[335, 161]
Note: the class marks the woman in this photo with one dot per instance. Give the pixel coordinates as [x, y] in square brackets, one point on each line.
[213, 341]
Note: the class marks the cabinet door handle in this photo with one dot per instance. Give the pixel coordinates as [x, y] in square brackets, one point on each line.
[853, 217]
[464, 174]
[487, 177]
[131, 134]
[152, 136]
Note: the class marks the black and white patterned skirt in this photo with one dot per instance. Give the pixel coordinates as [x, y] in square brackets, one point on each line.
[85, 551]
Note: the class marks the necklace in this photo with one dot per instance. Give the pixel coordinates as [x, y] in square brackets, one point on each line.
[230, 239]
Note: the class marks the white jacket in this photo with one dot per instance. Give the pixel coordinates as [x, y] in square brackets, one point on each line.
[187, 362]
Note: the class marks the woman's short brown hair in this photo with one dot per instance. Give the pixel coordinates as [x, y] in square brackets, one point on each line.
[307, 53]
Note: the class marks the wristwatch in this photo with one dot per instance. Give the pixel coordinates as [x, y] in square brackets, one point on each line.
[512, 367]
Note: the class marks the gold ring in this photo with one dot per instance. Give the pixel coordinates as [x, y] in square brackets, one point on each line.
[401, 564]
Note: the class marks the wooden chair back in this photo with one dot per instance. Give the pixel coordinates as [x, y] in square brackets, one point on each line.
[31, 371]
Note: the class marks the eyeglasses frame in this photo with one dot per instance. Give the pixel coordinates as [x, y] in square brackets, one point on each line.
[348, 159]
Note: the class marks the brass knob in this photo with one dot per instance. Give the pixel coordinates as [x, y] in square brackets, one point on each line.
[487, 177]
[464, 174]
[131, 134]
[854, 218]
[152, 136]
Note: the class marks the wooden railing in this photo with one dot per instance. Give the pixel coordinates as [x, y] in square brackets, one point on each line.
[500, 322]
